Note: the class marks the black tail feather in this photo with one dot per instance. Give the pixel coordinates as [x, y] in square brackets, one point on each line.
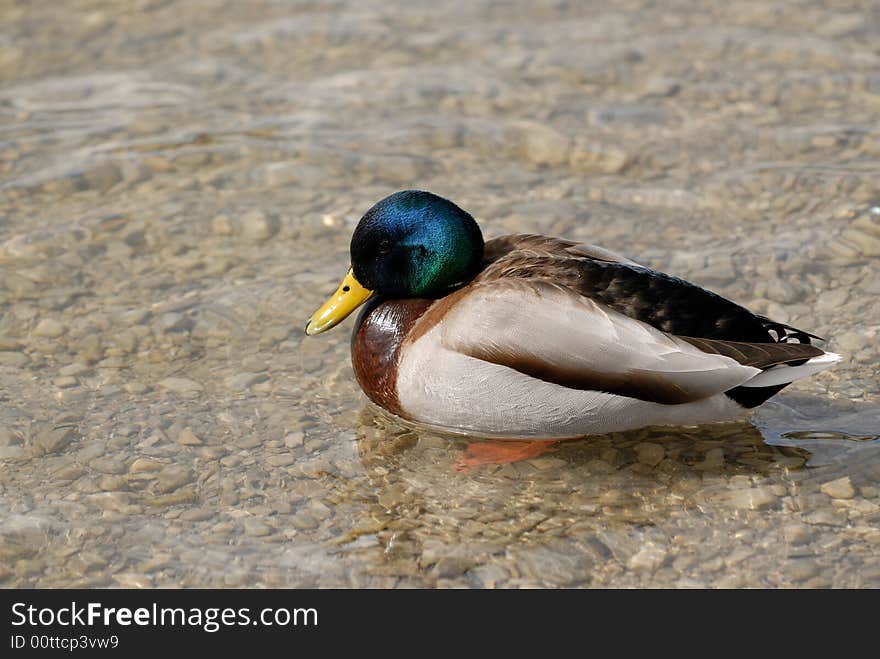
[750, 397]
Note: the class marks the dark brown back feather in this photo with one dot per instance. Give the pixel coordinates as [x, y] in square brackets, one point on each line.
[759, 355]
[667, 303]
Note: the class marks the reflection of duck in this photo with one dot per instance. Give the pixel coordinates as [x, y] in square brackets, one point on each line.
[535, 337]
[385, 443]
[575, 520]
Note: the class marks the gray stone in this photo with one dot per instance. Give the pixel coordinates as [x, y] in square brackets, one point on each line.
[197, 514]
[784, 291]
[851, 342]
[797, 533]
[863, 235]
[14, 359]
[841, 25]
[825, 516]
[112, 483]
[753, 498]
[133, 580]
[543, 145]
[90, 349]
[589, 157]
[108, 465]
[11, 452]
[713, 459]
[55, 439]
[489, 576]
[660, 86]
[249, 441]
[144, 465]
[318, 509]
[172, 478]
[182, 386]
[137, 388]
[649, 557]
[831, 301]
[243, 381]
[304, 521]
[256, 529]
[718, 271]
[800, 569]
[49, 328]
[188, 438]
[649, 453]
[135, 317]
[103, 176]
[257, 226]
[10, 437]
[280, 460]
[68, 473]
[75, 369]
[449, 567]
[840, 488]
[221, 225]
[174, 322]
[9, 344]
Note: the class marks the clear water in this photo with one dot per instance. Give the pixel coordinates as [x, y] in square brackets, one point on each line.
[178, 185]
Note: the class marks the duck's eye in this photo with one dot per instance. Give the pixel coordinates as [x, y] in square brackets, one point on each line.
[384, 247]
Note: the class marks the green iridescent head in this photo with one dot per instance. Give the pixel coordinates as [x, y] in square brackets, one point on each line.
[411, 244]
[415, 244]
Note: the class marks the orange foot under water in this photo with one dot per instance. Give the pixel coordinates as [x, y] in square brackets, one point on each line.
[502, 452]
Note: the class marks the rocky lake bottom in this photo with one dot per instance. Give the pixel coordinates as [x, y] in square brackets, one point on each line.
[178, 186]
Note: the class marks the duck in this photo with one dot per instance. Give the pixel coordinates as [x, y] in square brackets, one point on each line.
[532, 337]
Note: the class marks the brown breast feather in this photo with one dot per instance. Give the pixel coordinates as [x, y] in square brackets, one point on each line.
[381, 330]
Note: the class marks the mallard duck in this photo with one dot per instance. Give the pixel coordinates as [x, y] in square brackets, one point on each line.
[533, 337]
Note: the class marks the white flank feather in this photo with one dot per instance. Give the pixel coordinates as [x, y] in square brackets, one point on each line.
[565, 330]
[439, 384]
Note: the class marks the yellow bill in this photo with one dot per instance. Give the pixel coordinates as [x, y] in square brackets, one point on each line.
[348, 297]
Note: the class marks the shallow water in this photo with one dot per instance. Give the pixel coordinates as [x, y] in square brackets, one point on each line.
[178, 185]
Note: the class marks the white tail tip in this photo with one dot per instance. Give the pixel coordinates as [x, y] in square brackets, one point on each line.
[783, 374]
